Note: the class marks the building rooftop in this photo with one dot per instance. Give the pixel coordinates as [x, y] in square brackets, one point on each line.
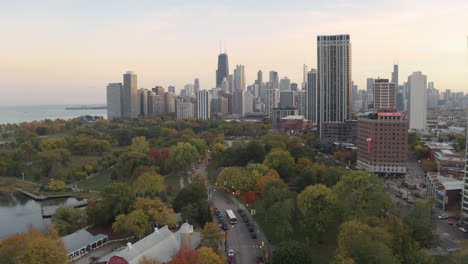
[80, 239]
[438, 145]
[293, 117]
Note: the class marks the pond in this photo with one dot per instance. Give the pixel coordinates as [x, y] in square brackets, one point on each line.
[18, 212]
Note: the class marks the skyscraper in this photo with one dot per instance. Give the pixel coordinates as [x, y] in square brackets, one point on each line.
[143, 102]
[287, 99]
[185, 110]
[114, 100]
[169, 103]
[395, 74]
[285, 84]
[370, 94]
[312, 102]
[223, 69]
[274, 80]
[196, 85]
[417, 108]
[129, 95]
[384, 95]
[259, 78]
[305, 71]
[248, 102]
[203, 104]
[334, 78]
[465, 188]
[238, 102]
[239, 78]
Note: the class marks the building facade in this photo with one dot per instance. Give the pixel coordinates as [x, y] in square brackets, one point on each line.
[417, 105]
[384, 95]
[334, 78]
[129, 95]
[185, 110]
[223, 69]
[287, 99]
[282, 112]
[114, 100]
[203, 105]
[312, 102]
[383, 143]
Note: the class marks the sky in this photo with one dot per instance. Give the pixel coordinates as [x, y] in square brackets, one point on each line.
[67, 51]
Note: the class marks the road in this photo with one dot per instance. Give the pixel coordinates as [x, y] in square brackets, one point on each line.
[238, 236]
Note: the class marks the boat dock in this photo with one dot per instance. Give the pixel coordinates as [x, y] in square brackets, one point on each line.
[49, 211]
[42, 197]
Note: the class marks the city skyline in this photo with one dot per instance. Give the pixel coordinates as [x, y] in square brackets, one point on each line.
[54, 55]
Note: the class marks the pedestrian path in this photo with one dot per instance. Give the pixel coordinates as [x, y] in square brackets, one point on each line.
[450, 250]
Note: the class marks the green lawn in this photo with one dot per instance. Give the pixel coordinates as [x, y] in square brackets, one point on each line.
[98, 182]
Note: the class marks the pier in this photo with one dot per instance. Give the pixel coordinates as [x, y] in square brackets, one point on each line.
[49, 211]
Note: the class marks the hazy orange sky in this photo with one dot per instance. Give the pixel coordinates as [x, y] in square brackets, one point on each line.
[66, 51]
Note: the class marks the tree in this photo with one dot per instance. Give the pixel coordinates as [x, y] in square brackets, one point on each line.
[199, 144]
[208, 256]
[149, 182]
[154, 153]
[134, 224]
[57, 185]
[307, 177]
[156, 210]
[420, 151]
[47, 159]
[218, 151]
[261, 182]
[257, 170]
[43, 250]
[275, 140]
[255, 151]
[236, 178]
[183, 156]
[428, 165]
[140, 144]
[413, 139]
[316, 205]
[364, 244]
[420, 224]
[211, 235]
[291, 252]
[357, 191]
[282, 162]
[129, 161]
[184, 256]
[303, 162]
[250, 197]
[68, 220]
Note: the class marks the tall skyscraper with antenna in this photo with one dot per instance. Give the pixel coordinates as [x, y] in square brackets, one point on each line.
[223, 69]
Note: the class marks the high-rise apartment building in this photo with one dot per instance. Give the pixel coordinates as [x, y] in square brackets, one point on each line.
[238, 102]
[169, 103]
[171, 89]
[465, 187]
[305, 71]
[223, 69]
[259, 78]
[143, 102]
[285, 84]
[159, 90]
[203, 105]
[312, 100]
[273, 82]
[287, 99]
[271, 100]
[370, 94]
[383, 143]
[294, 87]
[185, 110]
[395, 74]
[239, 78]
[196, 85]
[334, 78]
[114, 100]
[248, 102]
[129, 95]
[384, 95]
[417, 108]
[189, 89]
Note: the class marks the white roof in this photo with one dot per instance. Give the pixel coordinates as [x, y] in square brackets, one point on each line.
[294, 117]
[80, 239]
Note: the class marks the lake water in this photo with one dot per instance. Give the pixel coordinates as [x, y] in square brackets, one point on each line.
[18, 211]
[18, 114]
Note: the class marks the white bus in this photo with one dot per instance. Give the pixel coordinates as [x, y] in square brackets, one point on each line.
[231, 216]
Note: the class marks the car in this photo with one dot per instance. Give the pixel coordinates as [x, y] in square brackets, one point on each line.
[253, 235]
[463, 229]
[260, 260]
[444, 216]
[465, 221]
[231, 252]
[240, 211]
[450, 222]
[251, 228]
[225, 227]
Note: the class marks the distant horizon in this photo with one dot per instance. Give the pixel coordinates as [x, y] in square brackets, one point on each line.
[84, 45]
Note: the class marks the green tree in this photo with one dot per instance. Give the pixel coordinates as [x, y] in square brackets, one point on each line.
[57, 185]
[134, 224]
[211, 235]
[420, 151]
[218, 151]
[199, 144]
[282, 162]
[49, 158]
[140, 144]
[316, 205]
[255, 151]
[236, 178]
[68, 220]
[364, 244]
[129, 161]
[183, 156]
[307, 177]
[149, 183]
[291, 252]
[420, 223]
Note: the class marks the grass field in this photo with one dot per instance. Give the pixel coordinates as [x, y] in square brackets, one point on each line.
[98, 182]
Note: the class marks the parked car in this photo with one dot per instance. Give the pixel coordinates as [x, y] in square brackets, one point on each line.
[450, 222]
[260, 260]
[231, 256]
[463, 229]
[253, 235]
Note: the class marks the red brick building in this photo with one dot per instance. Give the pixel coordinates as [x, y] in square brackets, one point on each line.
[383, 143]
[295, 122]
